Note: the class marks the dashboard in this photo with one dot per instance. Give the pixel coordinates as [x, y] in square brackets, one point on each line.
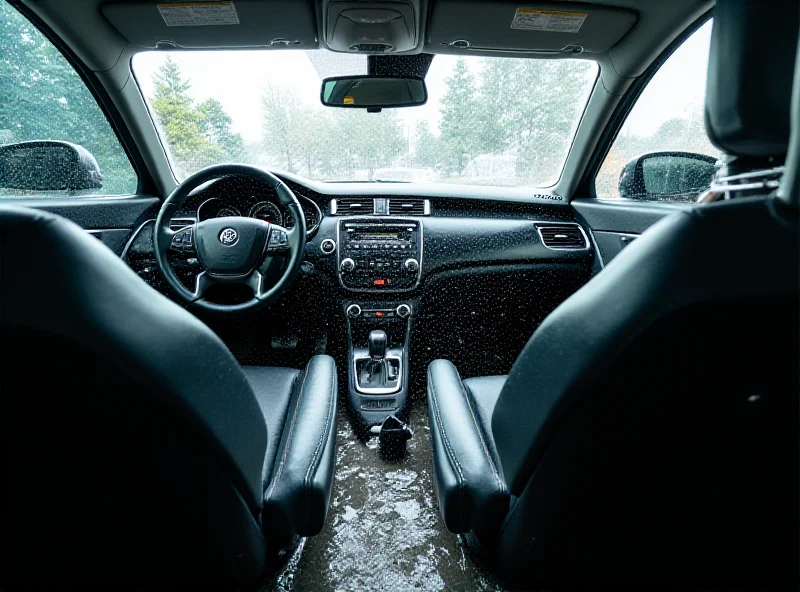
[475, 265]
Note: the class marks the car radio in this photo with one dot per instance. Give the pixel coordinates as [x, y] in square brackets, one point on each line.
[379, 255]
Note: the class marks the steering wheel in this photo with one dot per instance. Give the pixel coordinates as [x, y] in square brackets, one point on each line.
[230, 250]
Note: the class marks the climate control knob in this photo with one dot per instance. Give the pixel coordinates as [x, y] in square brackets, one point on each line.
[353, 310]
[411, 265]
[347, 264]
[403, 311]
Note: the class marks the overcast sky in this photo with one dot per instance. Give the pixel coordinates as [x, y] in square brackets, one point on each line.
[236, 79]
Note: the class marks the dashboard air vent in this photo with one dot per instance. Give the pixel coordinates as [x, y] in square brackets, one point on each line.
[562, 237]
[409, 207]
[348, 206]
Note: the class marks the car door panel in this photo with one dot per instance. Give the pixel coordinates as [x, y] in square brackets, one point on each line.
[614, 224]
[109, 219]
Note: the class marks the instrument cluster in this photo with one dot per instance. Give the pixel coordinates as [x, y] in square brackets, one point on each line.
[261, 206]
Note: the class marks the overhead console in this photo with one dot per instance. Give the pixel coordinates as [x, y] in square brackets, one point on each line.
[197, 25]
[391, 26]
[487, 26]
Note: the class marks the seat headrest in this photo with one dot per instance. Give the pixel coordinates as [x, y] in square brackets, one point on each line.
[750, 72]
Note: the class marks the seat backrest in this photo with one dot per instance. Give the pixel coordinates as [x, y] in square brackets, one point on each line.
[649, 429]
[663, 424]
[133, 446]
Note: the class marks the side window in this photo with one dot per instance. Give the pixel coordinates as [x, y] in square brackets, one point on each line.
[54, 139]
[662, 152]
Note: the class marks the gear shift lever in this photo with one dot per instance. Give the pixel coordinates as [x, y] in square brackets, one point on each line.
[377, 345]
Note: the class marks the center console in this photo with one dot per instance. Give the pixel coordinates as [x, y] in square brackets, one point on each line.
[375, 256]
[378, 336]
[379, 255]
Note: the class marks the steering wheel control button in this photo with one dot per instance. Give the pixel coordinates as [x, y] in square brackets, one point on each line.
[278, 241]
[228, 236]
[348, 265]
[353, 311]
[403, 311]
[328, 246]
[183, 240]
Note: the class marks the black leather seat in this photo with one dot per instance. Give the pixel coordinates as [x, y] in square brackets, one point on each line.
[135, 448]
[649, 429]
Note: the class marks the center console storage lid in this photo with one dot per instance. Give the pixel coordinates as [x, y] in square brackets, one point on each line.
[461, 26]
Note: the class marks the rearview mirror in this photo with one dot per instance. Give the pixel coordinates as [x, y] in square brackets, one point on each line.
[48, 165]
[679, 175]
[373, 92]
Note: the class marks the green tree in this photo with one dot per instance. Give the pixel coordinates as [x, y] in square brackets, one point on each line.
[216, 124]
[181, 122]
[459, 108]
[43, 98]
[197, 134]
[543, 101]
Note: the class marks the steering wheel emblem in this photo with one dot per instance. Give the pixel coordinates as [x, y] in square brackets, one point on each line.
[228, 236]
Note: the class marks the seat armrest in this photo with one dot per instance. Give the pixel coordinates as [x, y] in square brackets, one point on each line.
[469, 483]
[297, 495]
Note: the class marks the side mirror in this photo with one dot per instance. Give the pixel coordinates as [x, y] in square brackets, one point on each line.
[373, 92]
[48, 165]
[678, 175]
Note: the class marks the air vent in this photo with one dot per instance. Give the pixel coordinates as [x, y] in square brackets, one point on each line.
[409, 207]
[347, 206]
[562, 237]
[178, 223]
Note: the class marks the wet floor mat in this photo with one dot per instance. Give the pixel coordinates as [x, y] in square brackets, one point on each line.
[383, 530]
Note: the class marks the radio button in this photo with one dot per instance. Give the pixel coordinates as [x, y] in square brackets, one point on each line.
[348, 264]
[327, 246]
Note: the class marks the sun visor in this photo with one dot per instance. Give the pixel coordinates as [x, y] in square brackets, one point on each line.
[457, 26]
[210, 24]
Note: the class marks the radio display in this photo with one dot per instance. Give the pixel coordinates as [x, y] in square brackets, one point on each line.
[383, 235]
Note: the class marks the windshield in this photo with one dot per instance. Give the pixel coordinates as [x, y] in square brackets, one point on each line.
[488, 121]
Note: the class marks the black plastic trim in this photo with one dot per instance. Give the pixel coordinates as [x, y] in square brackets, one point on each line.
[624, 215]
[102, 212]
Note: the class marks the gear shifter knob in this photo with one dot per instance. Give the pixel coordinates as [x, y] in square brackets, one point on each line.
[377, 344]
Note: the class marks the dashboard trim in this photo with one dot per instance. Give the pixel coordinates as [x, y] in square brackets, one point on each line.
[134, 234]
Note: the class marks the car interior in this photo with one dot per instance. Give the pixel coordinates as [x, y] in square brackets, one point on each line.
[399, 294]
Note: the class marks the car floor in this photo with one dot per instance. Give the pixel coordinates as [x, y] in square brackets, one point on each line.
[383, 530]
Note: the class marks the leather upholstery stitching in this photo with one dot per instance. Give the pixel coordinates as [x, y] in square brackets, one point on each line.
[306, 486]
[451, 454]
[288, 438]
[480, 435]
